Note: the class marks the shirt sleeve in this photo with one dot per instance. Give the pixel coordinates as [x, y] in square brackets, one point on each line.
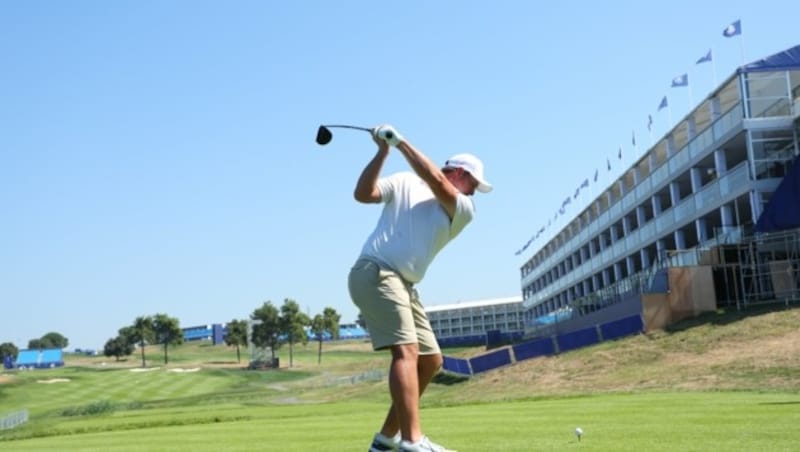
[465, 210]
[388, 185]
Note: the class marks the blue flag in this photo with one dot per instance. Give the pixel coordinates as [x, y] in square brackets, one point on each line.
[705, 59]
[663, 103]
[649, 122]
[681, 80]
[585, 183]
[596, 173]
[733, 29]
[633, 138]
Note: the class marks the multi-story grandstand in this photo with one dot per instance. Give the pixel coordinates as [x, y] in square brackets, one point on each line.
[475, 322]
[706, 216]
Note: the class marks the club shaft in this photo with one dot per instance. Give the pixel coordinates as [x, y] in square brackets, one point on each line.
[340, 126]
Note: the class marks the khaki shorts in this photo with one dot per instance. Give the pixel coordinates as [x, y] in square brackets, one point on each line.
[391, 307]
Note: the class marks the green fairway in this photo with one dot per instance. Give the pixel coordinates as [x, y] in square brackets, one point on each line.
[634, 422]
[727, 384]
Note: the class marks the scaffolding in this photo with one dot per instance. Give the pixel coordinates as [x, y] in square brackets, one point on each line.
[748, 270]
[761, 269]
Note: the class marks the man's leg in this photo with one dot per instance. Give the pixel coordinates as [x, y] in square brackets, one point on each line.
[404, 388]
[427, 367]
[385, 301]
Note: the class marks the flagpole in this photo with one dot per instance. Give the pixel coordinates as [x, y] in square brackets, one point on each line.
[741, 46]
[713, 69]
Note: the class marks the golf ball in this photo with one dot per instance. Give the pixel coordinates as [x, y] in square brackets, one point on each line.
[579, 431]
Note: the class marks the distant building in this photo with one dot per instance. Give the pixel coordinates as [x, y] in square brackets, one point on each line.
[39, 359]
[215, 333]
[468, 322]
[349, 331]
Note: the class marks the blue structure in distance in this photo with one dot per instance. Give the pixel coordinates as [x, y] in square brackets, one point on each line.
[39, 359]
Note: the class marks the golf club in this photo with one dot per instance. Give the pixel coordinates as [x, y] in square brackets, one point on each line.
[324, 135]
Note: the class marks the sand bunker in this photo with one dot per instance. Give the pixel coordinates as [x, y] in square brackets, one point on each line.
[53, 380]
[145, 369]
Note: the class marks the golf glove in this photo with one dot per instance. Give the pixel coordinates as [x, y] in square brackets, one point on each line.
[388, 134]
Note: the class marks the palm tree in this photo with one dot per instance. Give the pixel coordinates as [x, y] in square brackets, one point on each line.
[293, 323]
[167, 331]
[143, 332]
[328, 322]
[236, 335]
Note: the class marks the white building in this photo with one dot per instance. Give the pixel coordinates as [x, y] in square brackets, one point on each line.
[699, 188]
[467, 322]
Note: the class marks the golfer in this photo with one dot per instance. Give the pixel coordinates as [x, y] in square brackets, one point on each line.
[423, 210]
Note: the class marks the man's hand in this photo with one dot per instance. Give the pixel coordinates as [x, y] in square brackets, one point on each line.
[383, 146]
[388, 134]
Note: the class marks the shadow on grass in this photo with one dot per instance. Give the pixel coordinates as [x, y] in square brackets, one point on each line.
[726, 316]
[448, 378]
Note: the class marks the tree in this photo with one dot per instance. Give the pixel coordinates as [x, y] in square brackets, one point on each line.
[8, 349]
[318, 330]
[54, 340]
[35, 344]
[141, 331]
[332, 319]
[267, 333]
[328, 322]
[118, 347]
[293, 323]
[236, 335]
[167, 331]
[128, 334]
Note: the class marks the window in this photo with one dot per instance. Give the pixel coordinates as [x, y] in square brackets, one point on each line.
[768, 94]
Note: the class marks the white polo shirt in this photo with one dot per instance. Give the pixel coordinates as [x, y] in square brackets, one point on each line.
[414, 226]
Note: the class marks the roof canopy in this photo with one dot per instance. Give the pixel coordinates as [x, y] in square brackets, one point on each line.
[781, 61]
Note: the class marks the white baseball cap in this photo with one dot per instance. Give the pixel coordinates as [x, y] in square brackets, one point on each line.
[473, 165]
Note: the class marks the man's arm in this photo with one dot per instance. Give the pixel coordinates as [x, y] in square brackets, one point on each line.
[366, 188]
[446, 193]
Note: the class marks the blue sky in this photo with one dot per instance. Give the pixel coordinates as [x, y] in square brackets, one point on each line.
[159, 157]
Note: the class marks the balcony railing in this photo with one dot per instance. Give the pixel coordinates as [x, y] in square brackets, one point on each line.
[689, 208]
[700, 145]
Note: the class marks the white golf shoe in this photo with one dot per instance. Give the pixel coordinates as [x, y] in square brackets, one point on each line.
[423, 445]
[382, 443]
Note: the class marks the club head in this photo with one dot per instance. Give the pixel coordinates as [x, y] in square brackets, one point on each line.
[324, 136]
